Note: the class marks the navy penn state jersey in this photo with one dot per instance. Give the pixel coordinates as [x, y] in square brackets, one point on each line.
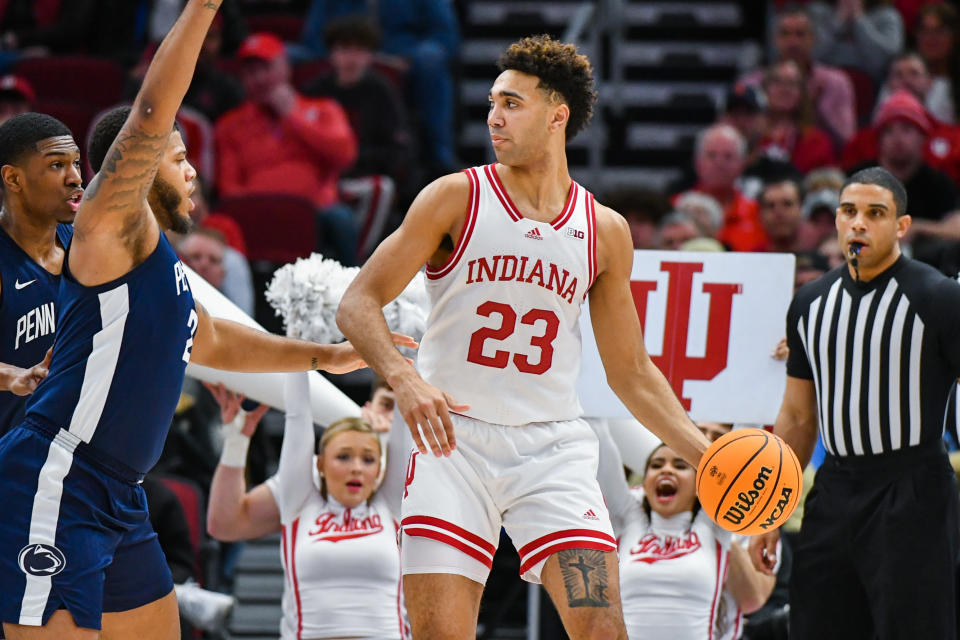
[28, 315]
[118, 363]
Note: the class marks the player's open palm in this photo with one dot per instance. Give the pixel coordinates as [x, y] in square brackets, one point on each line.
[26, 383]
[426, 408]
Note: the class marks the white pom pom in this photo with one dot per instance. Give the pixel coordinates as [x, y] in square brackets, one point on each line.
[306, 295]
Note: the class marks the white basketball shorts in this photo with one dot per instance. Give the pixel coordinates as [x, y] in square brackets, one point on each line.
[538, 481]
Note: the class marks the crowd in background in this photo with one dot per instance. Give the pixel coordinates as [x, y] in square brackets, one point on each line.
[314, 133]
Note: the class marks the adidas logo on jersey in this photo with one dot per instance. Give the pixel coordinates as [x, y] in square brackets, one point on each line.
[590, 515]
[533, 233]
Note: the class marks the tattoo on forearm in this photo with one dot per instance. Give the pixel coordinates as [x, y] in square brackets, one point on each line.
[130, 168]
[213, 6]
[585, 577]
[314, 363]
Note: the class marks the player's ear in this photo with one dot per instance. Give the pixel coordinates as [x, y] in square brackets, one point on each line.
[561, 114]
[12, 177]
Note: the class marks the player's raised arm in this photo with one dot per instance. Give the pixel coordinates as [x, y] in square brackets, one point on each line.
[630, 372]
[436, 214]
[115, 202]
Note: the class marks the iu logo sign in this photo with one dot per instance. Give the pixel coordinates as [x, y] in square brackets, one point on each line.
[41, 560]
[674, 362]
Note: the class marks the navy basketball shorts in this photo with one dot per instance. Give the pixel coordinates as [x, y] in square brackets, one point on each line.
[72, 535]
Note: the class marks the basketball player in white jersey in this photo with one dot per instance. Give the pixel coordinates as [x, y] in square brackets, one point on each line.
[512, 250]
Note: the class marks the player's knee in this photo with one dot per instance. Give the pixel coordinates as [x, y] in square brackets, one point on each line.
[441, 628]
[600, 624]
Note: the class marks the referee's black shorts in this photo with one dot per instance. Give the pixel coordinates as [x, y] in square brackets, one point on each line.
[878, 549]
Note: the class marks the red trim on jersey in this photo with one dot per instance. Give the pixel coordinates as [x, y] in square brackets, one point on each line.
[293, 573]
[560, 546]
[283, 548]
[569, 533]
[502, 194]
[514, 212]
[591, 240]
[452, 528]
[371, 213]
[468, 224]
[716, 590]
[568, 208]
[439, 536]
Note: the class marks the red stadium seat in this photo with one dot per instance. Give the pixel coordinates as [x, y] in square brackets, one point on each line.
[865, 92]
[285, 25]
[306, 72]
[77, 116]
[277, 227]
[191, 499]
[92, 81]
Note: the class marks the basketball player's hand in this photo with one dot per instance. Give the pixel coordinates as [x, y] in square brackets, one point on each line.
[763, 551]
[26, 382]
[343, 358]
[426, 408]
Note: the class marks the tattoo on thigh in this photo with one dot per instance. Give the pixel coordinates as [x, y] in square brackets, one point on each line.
[585, 577]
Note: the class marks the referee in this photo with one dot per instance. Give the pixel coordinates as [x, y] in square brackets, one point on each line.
[874, 353]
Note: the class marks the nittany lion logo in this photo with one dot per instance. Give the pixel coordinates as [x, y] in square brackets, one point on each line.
[41, 560]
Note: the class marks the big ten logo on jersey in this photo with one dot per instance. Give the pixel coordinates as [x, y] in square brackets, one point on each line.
[674, 361]
[331, 528]
[36, 323]
[652, 548]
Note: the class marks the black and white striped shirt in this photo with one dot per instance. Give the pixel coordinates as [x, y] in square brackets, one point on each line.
[883, 355]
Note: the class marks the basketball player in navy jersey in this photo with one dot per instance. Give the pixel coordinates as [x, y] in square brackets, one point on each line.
[40, 169]
[77, 553]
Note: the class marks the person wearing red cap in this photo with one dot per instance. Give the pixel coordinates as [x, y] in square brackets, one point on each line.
[904, 140]
[278, 141]
[903, 128]
[16, 96]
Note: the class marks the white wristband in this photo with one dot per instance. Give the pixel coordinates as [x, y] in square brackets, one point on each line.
[234, 452]
[235, 444]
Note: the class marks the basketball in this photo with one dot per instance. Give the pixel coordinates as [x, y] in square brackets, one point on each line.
[749, 481]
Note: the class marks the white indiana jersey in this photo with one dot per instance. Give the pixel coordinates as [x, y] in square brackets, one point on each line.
[672, 575]
[342, 570]
[503, 334]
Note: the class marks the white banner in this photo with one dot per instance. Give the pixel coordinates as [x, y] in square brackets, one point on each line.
[711, 322]
[328, 402]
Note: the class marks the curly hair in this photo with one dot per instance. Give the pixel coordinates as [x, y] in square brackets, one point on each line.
[564, 73]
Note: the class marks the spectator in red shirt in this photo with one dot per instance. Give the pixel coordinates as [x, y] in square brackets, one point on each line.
[278, 141]
[829, 88]
[719, 160]
[790, 133]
